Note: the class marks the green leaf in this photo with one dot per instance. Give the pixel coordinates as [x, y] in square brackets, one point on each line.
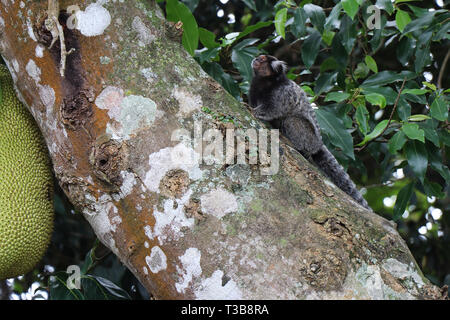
[334, 128]
[242, 59]
[444, 136]
[403, 109]
[208, 55]
[405, 50]
[280, 22]
[208, 38]
[252, 28]
[362, 118]
[385, 5]
[417, 157]
[418, 117]
[332, 21]
[439, 109]
[403, 197]
[385, 77]
[415, 91]
[376, 99]
[435, 159]
[429, 85]
[177, 11]
[420, 23]
[413, 131]
[245, 43]
[325, 82]
[308, 90]
[402, 19]
[422, 58]
[416, 98]
[316, 15]
[348, 33]
[98, 288]
[387, 92]
[215, 70]
[229, 38]
[59, 290]
[379, 128]
[361, 70]
[338, 52]
[431, 134]
[337, 96]
[371, 63]
[250, 4]
[418, 12]
[396, 142]
[350, 7]
[298, 28]
[310, 48]
[88, 260]
[191, 4]
[433, 189]
[328, 64]
[327, 37]
[443, 32]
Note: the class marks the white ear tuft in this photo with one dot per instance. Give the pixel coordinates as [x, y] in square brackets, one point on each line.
[279, 66]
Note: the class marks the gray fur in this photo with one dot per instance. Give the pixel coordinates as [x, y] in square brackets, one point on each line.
[282, 102]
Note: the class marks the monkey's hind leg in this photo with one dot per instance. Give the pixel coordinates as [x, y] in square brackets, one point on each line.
[301, 133]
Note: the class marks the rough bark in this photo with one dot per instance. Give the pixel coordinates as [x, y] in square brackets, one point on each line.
[188, 230]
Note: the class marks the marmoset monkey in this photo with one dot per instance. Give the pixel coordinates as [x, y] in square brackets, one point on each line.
[281, 101]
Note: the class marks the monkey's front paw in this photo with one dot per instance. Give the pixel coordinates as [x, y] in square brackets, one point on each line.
[262, 116]
[259, 113]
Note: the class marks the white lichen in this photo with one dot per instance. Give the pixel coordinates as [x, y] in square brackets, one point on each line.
[402, 271]
[39, 51]
[187, 101]
[47, 95]
[148, 74]
[129, 180]
[33, 71]
[218, 202]
[110, 99]
[190, 261]
[128, 114]
[178, 157]
[212, 288]
[145, 35]
[101, 214]
[144, 269]
[157, 261]
[30, 30]
[16, 65]
[93, 21]
[170, 222]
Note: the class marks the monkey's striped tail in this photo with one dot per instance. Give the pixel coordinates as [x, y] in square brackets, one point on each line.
[329, 165]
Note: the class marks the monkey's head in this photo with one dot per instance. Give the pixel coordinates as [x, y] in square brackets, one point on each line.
[268, 66]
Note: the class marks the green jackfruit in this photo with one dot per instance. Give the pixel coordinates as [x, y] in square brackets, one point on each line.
[26, 186]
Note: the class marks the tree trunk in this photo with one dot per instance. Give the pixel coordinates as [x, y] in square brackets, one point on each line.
[187, 229]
